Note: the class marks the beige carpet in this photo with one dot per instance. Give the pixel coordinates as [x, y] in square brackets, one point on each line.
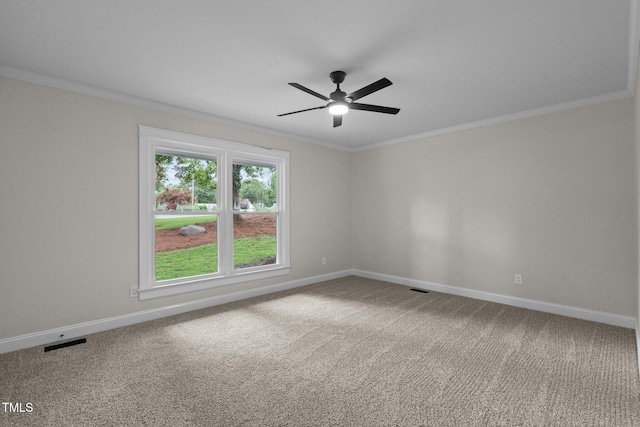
[349, 352]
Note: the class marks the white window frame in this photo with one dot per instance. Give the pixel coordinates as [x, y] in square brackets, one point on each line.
[152, 141]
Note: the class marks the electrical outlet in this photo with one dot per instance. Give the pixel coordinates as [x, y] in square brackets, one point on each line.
[324, 260]
[133, 292]
[518, 279]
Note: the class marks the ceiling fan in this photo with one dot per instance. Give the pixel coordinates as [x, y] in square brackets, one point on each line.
[339, 102]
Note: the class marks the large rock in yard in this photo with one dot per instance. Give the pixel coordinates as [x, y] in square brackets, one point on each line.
[190, 230]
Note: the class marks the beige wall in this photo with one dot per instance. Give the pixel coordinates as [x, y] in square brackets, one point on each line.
[636, 116]
[550, 197]
[69, 210]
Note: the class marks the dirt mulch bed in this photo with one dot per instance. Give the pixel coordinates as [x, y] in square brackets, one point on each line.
[250, 226]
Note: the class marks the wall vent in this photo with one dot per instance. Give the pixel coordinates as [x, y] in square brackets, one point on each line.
[62, 344]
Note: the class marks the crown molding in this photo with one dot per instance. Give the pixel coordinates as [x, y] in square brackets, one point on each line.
[613, 96]
[41, 79]
[58, 83]
[632, 69]
[634, 45]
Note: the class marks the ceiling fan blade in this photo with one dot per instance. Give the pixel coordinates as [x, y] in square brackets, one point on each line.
[337, 120]
[302, 111]
[373, 87]
[309, 91]
[374, 108]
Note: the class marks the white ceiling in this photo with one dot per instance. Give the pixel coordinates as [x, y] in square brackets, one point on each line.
[453, 64]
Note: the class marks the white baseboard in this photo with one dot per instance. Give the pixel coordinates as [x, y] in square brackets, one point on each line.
[547, 307]
[638, 345]
[91, 327]
[85, 328]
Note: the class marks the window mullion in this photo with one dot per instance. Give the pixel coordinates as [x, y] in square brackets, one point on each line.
[225, 240]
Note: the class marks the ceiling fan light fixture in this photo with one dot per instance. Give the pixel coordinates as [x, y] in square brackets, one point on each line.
[339, 102]
[338, 109]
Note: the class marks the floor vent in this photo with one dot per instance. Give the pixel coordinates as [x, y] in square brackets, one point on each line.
[420, 290]
[63, 344]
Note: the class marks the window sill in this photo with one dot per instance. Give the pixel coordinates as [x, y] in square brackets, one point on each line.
[193, 285]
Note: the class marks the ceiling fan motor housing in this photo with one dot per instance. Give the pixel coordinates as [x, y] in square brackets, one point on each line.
[337, 76]
[338, 95]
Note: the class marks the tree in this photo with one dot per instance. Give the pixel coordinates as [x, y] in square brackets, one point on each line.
[270, 193]
[172, 197]
[163, 163]
[200, 174]
[205, 194]
[253, 190]
[238, 172]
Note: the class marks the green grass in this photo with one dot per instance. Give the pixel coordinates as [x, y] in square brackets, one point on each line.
[249, 250]
[204, 259]
[187, 262]
[162, 224]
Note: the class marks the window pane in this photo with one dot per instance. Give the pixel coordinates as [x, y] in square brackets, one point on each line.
[185, 236]
[254, 187]
[254, 240]
[186, 246]
[185, 184]
[255, 216]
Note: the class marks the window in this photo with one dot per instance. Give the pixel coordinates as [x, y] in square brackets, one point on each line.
[212, 213]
